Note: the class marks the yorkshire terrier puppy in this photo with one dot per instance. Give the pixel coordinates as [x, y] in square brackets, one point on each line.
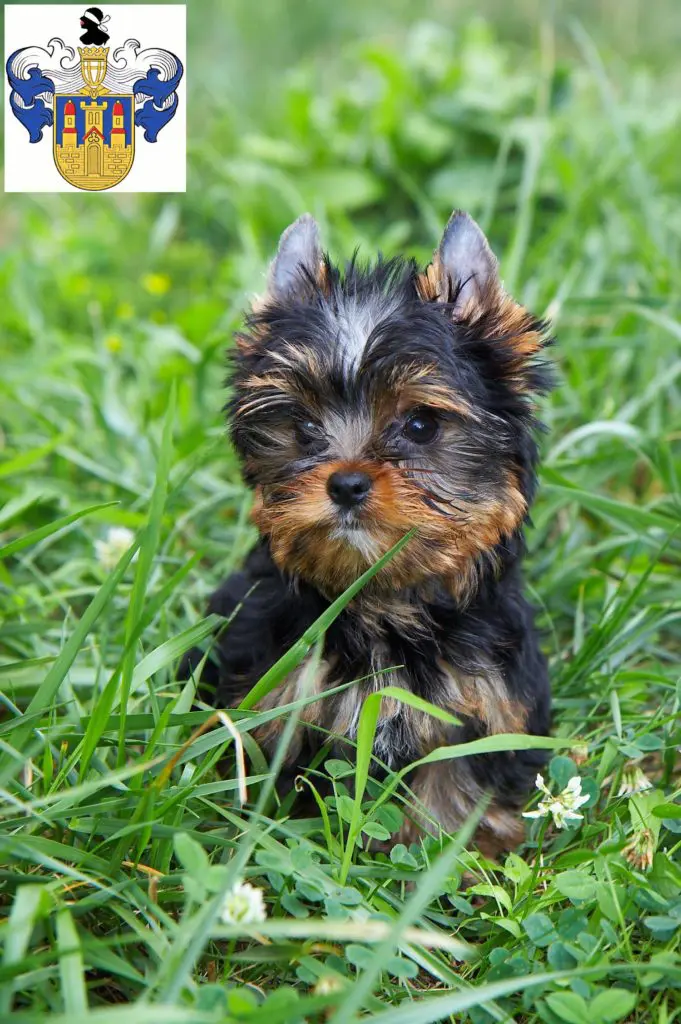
[365, 402]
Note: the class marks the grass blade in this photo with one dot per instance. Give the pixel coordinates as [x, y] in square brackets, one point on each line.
[281, 668]
[30, 903]
[71, 968]
[48, 689]
[46, 531]
[148, 545]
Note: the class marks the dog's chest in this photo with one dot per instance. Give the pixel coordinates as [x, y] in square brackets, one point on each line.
[367, 663]
[396, 672]
[428, 669]
[402, 732]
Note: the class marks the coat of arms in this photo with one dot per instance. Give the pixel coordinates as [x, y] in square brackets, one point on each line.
[93, 98]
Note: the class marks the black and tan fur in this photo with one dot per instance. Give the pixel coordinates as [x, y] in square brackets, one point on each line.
[346, 372]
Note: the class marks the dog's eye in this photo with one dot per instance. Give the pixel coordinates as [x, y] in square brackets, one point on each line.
[421, 427]
[309, 434]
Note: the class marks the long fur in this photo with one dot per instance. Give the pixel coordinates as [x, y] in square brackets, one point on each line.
[322, 379]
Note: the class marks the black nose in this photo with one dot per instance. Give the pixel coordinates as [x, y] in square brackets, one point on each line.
[348, 489]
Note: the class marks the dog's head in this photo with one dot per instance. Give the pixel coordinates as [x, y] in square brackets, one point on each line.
[378, 398]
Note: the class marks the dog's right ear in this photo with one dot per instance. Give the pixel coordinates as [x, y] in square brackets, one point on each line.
[298, 261]
[468, 269]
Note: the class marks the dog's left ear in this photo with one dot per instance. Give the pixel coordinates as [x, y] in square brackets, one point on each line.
[465, 269]
[298, 260]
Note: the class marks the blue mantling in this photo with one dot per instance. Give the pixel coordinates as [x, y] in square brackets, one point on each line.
[149, 116]
[34, 114]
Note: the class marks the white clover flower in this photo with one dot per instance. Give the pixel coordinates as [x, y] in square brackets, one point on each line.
[243, 904]
[634, 780]
[110, 551]
[572, 795]
[640, 850]
[563, 807]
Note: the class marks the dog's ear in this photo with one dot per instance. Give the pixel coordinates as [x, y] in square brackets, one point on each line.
[466, 268]
[298, 261]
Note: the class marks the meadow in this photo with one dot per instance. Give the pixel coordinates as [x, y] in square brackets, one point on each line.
[124, 824]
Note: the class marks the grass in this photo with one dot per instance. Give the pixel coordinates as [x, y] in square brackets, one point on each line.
[119, 835]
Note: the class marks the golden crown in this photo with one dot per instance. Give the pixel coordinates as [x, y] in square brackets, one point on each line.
[93, 52]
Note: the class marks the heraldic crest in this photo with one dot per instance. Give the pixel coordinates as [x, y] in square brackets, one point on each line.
[93, 101]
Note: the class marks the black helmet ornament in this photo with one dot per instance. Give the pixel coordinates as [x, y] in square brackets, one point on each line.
[94, 22]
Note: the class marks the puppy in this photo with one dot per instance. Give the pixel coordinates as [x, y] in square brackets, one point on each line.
[365, 402]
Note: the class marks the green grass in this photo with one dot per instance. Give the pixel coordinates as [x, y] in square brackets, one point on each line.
[119, 835]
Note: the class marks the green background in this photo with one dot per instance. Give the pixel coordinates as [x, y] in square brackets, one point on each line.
[558, 128]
